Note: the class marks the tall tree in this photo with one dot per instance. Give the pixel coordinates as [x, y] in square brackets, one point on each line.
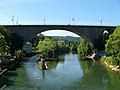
[47, 46]
[83, 48]
[113, 43]
[6, 33]
[3, 45]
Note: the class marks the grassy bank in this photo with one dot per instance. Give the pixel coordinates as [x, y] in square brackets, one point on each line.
[110, 63]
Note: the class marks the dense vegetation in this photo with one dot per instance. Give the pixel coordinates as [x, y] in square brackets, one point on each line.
[47, 47]
[83, 49]
[3, 45]
[112, 47]
[67, 44]
[68, 38]
[51, 46]
[10, 46]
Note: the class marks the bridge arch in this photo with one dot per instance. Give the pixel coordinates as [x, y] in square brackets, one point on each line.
[70, 30]
[89, 33]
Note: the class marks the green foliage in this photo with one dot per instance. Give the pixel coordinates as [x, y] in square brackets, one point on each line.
[36, 39]
[13, 40]
[6, 33]
[47, 46]
[113, 44]
[3, 45]
[73, 46]
[83, 48]
[62, 47]
[19, 54]
[51, 46]
[109, 60]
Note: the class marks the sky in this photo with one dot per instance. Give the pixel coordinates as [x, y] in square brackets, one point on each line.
[60, 12]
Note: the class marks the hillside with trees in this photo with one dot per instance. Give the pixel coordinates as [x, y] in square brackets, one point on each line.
[69, 38]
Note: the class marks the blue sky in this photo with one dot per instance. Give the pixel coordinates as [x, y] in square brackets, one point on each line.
[85, 12]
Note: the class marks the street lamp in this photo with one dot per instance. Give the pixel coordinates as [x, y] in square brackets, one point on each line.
[44, 20]
[73, 19]
[101, 21]
[13, 19]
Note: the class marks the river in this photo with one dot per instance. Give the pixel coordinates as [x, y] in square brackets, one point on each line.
[70, 74]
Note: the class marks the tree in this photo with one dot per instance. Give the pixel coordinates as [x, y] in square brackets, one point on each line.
[47, 46]
[113, 44]
[3, 45]
[6, 33]
[36, 39]
[83, 48]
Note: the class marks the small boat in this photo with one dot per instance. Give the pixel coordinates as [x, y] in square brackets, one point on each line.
[42, 65]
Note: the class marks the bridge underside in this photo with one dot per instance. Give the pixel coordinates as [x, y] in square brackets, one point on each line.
[89, 33]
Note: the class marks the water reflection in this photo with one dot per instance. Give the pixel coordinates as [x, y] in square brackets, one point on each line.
[95, 76]
[51, 65]
[43, 74]
[70, 74]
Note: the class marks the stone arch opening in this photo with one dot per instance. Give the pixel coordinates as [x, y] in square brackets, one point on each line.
[72, 31]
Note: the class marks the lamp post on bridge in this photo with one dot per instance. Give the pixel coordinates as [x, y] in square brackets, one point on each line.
[101, 21]
[44, 20]
[13, 19]
[73, 19]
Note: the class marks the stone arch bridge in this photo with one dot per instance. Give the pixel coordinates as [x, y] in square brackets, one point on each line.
[89, 33]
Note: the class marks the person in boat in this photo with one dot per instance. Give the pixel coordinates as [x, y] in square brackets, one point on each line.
[42, 63]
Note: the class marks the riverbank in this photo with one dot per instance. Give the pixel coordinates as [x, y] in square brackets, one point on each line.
[4, 71]
[110, 66]
[10, 67]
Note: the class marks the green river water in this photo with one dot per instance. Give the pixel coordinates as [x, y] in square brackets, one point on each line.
[70, 74]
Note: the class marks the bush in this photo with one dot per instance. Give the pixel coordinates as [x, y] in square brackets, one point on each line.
[19, 54]
[111, 60]
[103, 58]
[84, 48]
